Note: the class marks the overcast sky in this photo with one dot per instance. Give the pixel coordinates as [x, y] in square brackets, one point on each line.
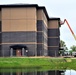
[56, 8]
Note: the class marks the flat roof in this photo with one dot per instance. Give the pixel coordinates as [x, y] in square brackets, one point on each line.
[29, 5]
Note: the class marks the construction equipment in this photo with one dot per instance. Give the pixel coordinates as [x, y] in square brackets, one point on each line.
[69, 27]
[61, 23]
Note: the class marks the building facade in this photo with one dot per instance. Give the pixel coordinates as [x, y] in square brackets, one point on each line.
[27, 30]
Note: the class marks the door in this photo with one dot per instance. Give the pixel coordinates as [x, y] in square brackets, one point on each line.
[18, 52]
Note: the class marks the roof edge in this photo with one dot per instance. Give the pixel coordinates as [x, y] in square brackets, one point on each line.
[54, 18]
[29, 5]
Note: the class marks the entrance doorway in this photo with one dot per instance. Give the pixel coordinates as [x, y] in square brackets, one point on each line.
[18, 52]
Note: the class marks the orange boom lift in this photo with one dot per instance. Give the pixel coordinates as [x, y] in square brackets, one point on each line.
[69, 27]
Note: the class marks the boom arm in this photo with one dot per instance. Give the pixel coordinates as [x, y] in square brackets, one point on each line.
[69, 28]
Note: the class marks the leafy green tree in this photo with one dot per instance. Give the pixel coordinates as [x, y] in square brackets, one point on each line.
[62, 44]
[70, 51]
[63, 47]
[73, 48]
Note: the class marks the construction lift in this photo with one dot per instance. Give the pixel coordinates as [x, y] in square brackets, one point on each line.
[61, 23]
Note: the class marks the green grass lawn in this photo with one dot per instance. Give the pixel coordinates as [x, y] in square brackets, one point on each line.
[45, 63]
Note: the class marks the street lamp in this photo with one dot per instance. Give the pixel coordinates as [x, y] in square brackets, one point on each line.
[26, 52]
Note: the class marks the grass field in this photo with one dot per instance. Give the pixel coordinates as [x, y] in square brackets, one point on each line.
[45, 63]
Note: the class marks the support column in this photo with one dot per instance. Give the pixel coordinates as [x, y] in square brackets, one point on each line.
[11, 52]
[11, 73]
[23, 73]
[23, 52]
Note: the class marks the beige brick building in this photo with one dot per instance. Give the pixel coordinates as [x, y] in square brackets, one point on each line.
[27, 30]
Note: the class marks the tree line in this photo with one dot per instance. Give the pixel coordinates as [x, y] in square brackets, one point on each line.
[63, 44]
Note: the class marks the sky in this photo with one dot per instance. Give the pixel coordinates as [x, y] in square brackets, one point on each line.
[70, 72]
[64, 9]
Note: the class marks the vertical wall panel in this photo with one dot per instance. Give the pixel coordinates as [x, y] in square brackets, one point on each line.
[53, 32]
[31, 13]
[53, 51]
[41, 16]
[53, 24]
[53, 41]
[6, 13]
[0, 51]
[40, 50]
[0, 37]
[0, 26]
[53, 37]
[19, 19]
[0, 15]
[41, 37]
[16, 37]
[6, 25]
[0, 32]
[18, 13]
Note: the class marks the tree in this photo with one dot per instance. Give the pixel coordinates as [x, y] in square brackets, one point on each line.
[63, 47]
[73, 48]
[62, 44]
[70, 51]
